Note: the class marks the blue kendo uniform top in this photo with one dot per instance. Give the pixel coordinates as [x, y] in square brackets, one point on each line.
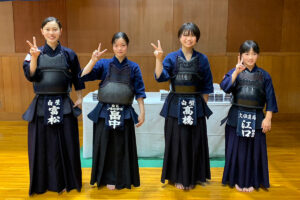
[72, 62]
[206, 85]
[100, 71]
[271, 104]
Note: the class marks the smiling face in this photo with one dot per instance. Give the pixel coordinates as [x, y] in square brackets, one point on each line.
[51, 32]
[188, 40]
[120, 48]
[249, 58]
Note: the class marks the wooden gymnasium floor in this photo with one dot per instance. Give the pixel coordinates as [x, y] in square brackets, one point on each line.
[284, 167]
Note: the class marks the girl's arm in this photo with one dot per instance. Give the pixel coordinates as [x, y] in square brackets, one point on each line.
[238, 69]
[34, 52]
[158, 53]
[141, 117]
[79, 98]
[266, 123]
[205, 97]
[95, 57]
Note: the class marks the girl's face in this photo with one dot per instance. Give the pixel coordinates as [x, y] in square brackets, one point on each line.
[188, 40]
[249, 58]
[120, 47]
[51, 32]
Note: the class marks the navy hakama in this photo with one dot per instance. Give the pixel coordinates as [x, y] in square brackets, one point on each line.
[186, 157]
[115, 156]
[54, 156]
[246, 160]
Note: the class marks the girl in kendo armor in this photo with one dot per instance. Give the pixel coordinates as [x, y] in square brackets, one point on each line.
[246, 161]
[115, 161]
[186, 157]
[53, 138]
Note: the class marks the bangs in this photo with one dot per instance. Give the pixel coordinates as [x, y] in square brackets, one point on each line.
[248, 45]
[189, 28]
[188, 32]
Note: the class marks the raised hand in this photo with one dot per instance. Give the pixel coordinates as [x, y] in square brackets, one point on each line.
[34, 51]
[98, 53]
[158, 52]
[95, 57]
[239, 66]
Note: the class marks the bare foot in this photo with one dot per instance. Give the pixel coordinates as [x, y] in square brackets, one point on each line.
[238, 188]
[179, 186]
[64, 190]
[250, 189]
[190, 187]
[111, 187]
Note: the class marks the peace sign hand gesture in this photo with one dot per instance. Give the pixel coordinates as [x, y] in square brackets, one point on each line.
[98, 53]
[158, 52]
[239, 66]
[34, 51]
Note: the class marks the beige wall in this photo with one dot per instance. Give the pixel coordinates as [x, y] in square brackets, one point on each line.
[224, 25]
[7, 41]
